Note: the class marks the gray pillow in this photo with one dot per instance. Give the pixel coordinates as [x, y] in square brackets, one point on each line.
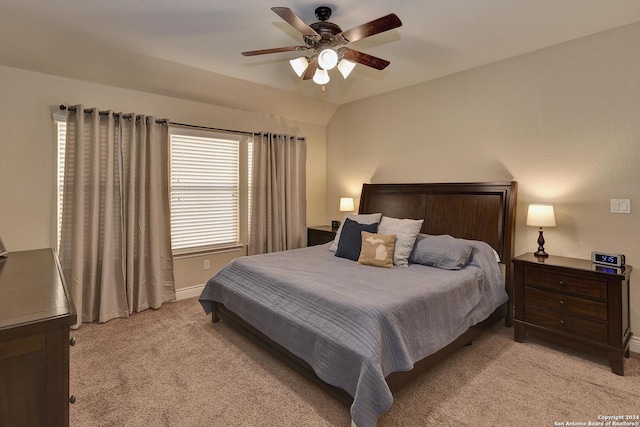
[441, 251]
[406, 231]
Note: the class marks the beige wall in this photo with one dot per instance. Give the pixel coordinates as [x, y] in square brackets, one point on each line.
[28, 153]
[564, 122]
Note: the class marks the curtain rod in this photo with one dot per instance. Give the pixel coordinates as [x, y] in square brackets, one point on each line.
[210, 128]
[164, 122]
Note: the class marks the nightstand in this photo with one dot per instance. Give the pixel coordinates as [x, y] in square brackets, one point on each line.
[566, 301]
[320, 234]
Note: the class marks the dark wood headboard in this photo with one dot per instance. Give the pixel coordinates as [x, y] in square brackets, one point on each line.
[476, 211]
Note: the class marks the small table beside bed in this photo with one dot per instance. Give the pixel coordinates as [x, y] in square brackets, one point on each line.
[362, 331]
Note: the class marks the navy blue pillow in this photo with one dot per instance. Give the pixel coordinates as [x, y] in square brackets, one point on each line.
[350, 242]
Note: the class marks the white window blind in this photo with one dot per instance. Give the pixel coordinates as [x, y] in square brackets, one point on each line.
[62, 137]
[205, 191]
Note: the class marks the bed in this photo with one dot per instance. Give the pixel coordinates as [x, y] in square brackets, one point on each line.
[362, 332]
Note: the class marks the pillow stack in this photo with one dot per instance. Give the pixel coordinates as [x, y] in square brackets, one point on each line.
[361, 239]
[381, 241]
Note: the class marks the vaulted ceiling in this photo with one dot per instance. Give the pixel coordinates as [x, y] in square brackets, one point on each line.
[195, 42]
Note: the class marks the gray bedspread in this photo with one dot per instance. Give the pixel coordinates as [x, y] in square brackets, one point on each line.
[356, 324]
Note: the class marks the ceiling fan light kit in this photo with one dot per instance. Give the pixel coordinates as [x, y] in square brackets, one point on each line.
[321, 76]
[299, 65]
[327, 41]
[328, 59]
[345, 67]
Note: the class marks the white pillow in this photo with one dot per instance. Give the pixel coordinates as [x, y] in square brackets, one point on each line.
[407, 231]
[359, 218]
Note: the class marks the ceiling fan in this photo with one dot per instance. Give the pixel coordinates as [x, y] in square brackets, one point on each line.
[327, 42]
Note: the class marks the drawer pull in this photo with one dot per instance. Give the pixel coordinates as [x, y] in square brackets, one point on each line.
[562, 283]
[72, 341]
[72, 399]
[561, 302]
[562, 322]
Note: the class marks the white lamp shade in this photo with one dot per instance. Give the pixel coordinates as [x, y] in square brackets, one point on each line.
[327, 59]
[345, 67]
[346, 204]
[299, 65]
[541, 215]
[321, 76]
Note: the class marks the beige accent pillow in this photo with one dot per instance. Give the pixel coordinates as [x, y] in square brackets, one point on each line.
[377, 249]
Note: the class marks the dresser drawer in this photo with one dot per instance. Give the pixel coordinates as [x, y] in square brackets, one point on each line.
[567, 323]
[565, 283]
[565, 303]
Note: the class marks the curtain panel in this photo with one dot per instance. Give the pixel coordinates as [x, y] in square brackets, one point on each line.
[278, 193]
[115, 248]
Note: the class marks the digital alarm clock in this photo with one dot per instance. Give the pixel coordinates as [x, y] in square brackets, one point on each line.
[615, 260]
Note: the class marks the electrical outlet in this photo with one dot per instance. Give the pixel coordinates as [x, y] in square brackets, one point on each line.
[206, 264]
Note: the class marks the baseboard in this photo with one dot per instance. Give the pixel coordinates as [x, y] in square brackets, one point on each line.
[190, 292]
[634, 344]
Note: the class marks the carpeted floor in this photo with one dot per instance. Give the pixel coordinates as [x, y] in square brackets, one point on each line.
[173, 367]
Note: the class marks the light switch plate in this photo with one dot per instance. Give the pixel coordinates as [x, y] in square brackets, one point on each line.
[621, 206]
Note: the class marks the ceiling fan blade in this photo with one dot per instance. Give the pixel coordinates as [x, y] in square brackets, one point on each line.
[274, 50]
[311, 69]
[295, 21]
[366, 59]
[376, 26]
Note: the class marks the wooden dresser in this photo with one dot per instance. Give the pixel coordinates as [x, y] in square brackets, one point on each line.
[36, 313]
[567, 301]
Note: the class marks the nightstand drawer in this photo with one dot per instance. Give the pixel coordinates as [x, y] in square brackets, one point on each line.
[565, 303]
[538, 278]
[566, 323]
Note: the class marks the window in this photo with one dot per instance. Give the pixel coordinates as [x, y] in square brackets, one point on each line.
[209, 190]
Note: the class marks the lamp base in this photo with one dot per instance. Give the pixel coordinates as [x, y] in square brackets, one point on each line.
[541, 253]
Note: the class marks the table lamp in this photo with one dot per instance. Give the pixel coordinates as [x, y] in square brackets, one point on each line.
[540, 216]
[346, 204]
